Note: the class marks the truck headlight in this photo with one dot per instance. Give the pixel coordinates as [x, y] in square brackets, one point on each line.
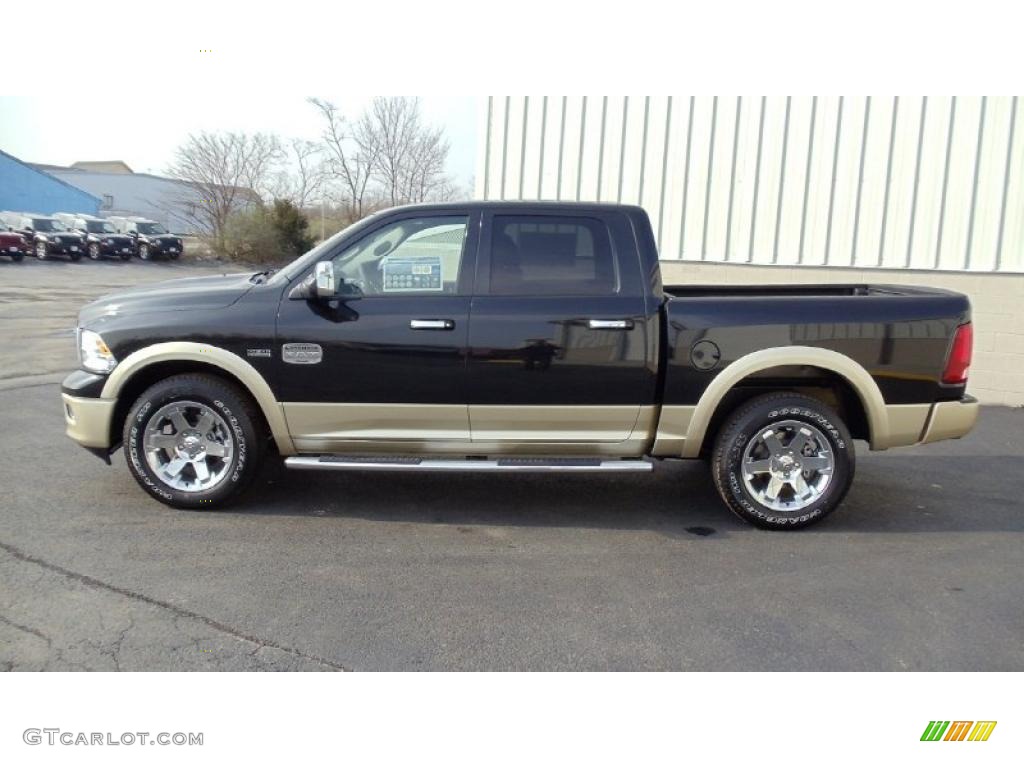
[93, 353]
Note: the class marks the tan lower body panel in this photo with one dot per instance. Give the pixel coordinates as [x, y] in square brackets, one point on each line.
[326, 426]
[672, 428]
[906, 425]
[951, 419]
[416, 429]
[556, 423]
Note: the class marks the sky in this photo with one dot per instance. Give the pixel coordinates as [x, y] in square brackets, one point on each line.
[59, 131]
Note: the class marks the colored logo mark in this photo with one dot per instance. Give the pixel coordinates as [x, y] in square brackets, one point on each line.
[958, 730]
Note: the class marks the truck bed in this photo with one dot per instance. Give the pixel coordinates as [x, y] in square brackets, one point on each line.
[824, 290]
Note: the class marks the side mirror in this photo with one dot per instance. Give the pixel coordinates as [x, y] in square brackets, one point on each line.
[326, 283]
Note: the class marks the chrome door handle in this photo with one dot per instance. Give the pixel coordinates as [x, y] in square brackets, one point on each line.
[610, 325]
[432, 325]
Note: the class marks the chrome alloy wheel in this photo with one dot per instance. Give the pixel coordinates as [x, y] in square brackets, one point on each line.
[788, 465]
[188, 446]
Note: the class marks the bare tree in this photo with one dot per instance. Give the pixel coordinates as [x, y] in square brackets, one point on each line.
[386, 157]
[226, 172]
[411, 157]
[302, 182]
[352, 155]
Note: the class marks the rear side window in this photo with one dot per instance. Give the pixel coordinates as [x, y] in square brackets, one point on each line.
[552, 256]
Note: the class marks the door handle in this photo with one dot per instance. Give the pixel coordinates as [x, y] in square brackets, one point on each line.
[432, 325]
[610, 325]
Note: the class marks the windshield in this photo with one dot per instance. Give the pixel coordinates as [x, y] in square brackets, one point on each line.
[98, 227]
[151, 228]
[47, 225]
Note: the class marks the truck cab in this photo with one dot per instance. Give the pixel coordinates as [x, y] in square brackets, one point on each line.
[514, 337]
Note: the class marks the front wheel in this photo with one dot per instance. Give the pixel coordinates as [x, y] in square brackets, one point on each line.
[144, 252]
[783, 461]
[94, 251]
[41, 253]
[193, 441]
[16, 257]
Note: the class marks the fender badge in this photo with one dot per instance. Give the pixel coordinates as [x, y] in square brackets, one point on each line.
[257, 353]
[302, 354]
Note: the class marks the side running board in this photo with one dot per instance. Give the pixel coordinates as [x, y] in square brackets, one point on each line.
[415, 464]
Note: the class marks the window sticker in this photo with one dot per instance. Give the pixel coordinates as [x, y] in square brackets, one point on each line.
[412, 273]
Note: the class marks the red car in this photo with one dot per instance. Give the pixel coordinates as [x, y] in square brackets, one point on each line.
[13, 244]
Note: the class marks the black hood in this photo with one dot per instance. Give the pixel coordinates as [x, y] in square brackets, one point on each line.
[187, 293]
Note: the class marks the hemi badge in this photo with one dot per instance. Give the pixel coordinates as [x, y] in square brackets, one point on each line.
[302, 354]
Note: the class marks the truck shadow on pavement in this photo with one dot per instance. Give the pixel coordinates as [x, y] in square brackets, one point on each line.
[898, 494]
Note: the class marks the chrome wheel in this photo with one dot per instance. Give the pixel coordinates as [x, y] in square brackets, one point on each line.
[788, 465]
[188, 446]
[41, 253]
[94, 252]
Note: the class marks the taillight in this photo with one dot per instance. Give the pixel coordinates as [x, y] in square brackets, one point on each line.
[959, 356]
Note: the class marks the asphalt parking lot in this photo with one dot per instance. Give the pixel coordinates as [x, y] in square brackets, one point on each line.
[921, 569]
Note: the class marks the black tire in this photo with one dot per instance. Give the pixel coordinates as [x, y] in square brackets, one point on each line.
[16, 257]
[225, 400]
[173, 256]
[41, 253]
[76, 256]
[94, 251]
[746, 424]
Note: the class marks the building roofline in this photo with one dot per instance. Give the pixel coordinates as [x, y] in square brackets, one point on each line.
[32, 168]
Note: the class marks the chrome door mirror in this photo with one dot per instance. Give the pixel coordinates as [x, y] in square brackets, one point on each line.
[326, 283]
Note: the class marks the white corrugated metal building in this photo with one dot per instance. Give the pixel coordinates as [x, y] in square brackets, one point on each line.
[796, 189]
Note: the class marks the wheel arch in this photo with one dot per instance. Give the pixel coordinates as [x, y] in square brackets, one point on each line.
[845, 369]
[170, 358]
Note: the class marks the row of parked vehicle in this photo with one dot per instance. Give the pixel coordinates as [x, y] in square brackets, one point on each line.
[75, 235]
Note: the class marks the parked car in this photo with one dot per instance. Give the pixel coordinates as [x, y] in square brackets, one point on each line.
[512, 337]
[101, 239]
[45, 235]
[12, 245]
[151, 238]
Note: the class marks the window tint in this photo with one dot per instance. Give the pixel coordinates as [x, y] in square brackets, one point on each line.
[551, 255]
[422, 255]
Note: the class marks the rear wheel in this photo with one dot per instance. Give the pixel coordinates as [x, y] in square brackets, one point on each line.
[193, 441]
[783, 461]
[16, 257]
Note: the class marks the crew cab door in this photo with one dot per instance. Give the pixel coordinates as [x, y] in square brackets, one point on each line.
[384, 371]
[562, 336]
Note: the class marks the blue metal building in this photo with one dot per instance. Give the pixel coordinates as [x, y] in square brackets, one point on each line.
[24, 188]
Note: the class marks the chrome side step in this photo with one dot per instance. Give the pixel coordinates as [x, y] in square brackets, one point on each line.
[415, 464]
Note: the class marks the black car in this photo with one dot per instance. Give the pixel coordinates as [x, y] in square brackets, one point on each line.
[101, 238]
[151, 238]
[515, 337]
[45, 235]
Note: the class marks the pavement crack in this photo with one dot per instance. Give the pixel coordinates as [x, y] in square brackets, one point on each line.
[95, 583]
[23, 628]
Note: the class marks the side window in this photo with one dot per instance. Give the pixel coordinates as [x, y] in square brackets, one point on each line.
[422, 255]
[552, 255]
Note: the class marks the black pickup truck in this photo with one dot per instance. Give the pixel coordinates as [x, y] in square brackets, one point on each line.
[515, 337]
